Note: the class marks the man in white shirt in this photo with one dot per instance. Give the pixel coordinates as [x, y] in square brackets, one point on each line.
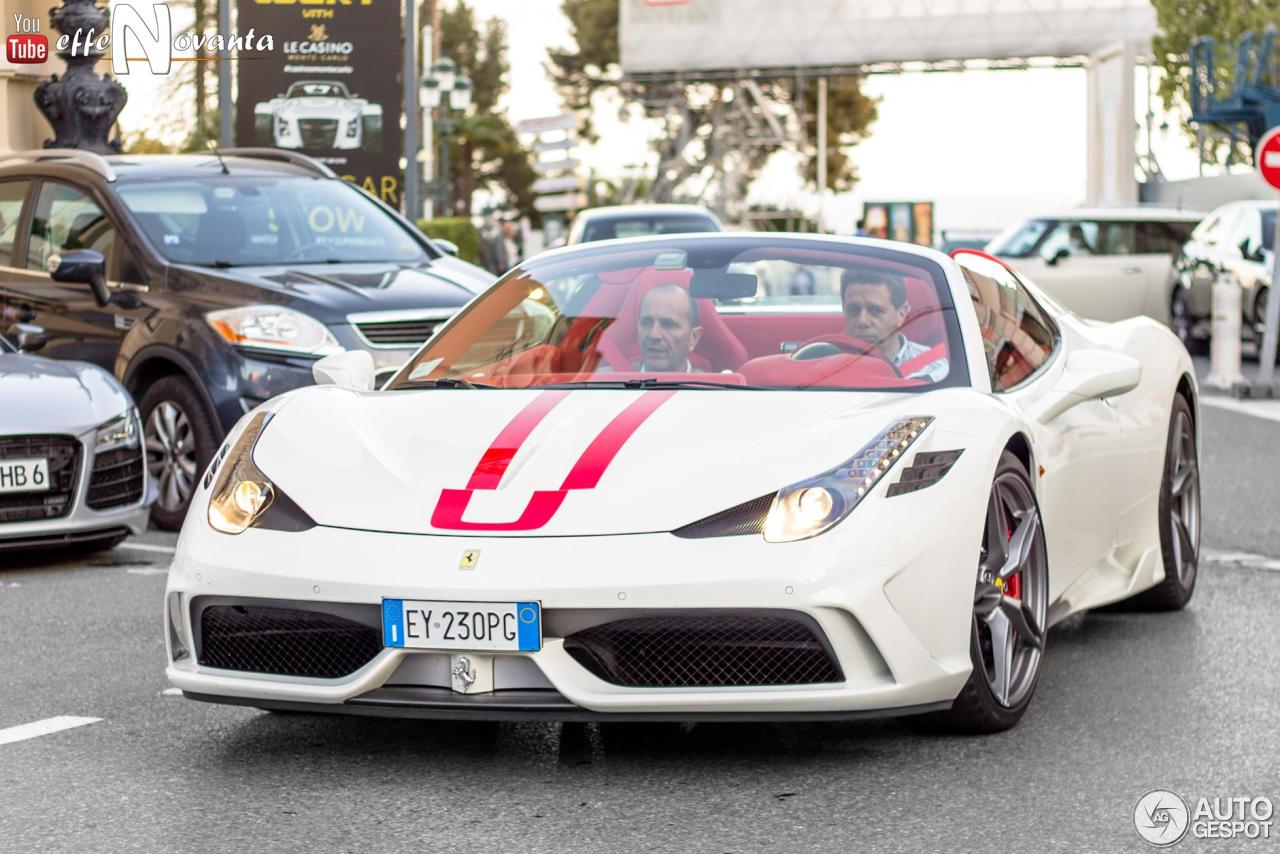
[875, 307]
[668, 329]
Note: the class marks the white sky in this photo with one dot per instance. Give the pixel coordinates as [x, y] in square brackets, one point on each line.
[985, 146]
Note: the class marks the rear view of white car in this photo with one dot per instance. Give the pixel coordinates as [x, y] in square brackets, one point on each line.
[71, 469]
[1105, 263]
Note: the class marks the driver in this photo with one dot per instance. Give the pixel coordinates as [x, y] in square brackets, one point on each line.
[668, 329]
[875, 307]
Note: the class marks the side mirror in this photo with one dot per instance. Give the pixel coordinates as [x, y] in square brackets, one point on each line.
[1058, 257]
[1250, 250]
[82, 266]
[446, 246]
[351, 369]
[1089, 375]
[29, 338]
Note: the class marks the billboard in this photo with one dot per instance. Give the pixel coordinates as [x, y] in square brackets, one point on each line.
[693, 35]
[907, 222]
[331, 91]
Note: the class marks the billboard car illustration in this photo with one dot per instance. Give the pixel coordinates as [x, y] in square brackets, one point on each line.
[319, 115]
[627, 482]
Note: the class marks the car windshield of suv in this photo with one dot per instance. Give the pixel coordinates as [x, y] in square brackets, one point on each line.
[746, 312]
[232, 221]
[608, 229]
[1021, 239]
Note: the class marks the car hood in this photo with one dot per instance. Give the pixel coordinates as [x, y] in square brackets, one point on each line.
[568, 463]
[344, 288]
[46, 396]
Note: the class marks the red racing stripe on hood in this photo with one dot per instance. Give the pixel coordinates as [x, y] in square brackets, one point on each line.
[544, 503]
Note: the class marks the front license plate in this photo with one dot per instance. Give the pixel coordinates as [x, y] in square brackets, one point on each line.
[488, 626]
[27, 475]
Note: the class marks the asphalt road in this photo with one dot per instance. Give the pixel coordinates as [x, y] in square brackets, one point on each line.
[1128, 702]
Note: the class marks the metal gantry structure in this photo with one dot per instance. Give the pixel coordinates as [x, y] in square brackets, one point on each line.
[1251, 105]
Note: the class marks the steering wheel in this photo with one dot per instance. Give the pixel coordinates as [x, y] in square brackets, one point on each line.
[835, 345]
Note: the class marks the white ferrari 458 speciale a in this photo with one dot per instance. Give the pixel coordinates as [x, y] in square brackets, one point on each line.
[672, 478]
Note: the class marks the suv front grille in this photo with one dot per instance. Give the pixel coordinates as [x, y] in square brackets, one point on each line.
[63, 454]
[285, 641]
[116, 479]
[703, 651]
[399, 333]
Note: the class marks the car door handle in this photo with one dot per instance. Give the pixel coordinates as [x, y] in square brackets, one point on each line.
[1130, 271]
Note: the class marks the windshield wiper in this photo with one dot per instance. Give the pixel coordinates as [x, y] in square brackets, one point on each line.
[446, 382]
[652, 383]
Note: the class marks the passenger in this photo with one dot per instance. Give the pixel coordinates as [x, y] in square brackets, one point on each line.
[668, 330]
[875, 307]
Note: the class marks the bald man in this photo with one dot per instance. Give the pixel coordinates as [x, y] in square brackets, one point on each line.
[668, 329]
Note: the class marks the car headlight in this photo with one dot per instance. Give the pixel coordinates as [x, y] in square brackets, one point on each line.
[812, 506]
[241, 492]
[271, 327]
[353, 127]
[282, 126]
[120, 432]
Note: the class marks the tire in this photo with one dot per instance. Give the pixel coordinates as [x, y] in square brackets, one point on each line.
[1013, 536]
[1183, 325]
[1180, 510]
[172, 405]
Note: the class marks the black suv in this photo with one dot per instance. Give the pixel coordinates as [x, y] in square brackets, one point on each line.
[209, 283]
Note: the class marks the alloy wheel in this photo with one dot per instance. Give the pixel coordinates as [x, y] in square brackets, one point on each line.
[171, 454]
[1184, 498]
[1010, 602]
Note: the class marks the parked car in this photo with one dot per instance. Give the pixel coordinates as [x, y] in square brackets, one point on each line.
[640, 221]
[208, 284]
[1238, 238]
[783, 515]
[319, 115]
[951, 239]
[1103, 263]
[71, 468]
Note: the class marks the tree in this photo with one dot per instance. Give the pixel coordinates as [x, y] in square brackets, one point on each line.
[485, 151]
[708, 123]
[1181, 21]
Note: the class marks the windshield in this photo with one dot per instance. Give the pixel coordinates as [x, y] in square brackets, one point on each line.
[646, 226]
[1019, 240]
[232, 221]
[744, 312]
[316, 90]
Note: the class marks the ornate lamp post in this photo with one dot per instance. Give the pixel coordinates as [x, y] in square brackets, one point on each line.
[81, 106]
[444, 88]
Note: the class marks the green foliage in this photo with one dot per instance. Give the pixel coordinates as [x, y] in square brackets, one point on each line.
[592, 67]
[1181, 21]
[458, 229]
[484, 151]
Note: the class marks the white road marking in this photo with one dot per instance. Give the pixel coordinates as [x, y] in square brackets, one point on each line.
[147, 570]
[1268, 409]
[147, 547]
[44, 727]
[1247, 559]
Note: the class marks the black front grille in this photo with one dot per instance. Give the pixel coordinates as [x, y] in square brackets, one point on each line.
[402, 332]
[704, 651]
[318, 133]
[116, 479]
[63, 454]
[285, 641]
[747, 518]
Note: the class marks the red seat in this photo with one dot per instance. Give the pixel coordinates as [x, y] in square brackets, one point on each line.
[718, 349]
[924, 321]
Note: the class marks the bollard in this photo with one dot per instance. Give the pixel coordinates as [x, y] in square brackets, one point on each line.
[1224, 346]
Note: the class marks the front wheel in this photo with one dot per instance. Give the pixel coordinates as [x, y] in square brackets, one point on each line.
[1182, 324]
[1010, 609]
[180, 440]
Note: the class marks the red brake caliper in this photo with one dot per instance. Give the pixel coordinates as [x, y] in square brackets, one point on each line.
[1013, 584]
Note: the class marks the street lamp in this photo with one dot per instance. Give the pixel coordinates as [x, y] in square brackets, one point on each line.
[446, 89]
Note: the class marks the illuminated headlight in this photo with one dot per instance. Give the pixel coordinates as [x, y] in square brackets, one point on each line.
[810, 507]
[242, 492]
[120, 432]
[272, 327]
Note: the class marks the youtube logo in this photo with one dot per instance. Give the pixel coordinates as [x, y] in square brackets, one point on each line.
[25, 48]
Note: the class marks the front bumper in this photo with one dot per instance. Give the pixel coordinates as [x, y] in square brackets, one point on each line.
[896, 655]
[81, 524]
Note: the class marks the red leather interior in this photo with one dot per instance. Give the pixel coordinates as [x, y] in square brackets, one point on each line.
[764, 334]
[620, 344]
[924, 321]
[843, 371]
